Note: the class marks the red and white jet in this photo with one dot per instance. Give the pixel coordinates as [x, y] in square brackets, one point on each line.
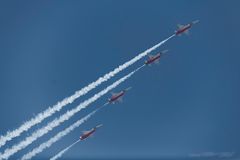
[154, 58]
[185, 28]
[117, 97]
[89, 133]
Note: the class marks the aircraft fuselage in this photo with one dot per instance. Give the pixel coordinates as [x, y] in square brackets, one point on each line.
[86, 135]
[182, 30]
[116, 97]
[153, 59]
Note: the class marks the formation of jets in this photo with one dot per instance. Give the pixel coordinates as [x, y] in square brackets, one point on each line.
[117, 97]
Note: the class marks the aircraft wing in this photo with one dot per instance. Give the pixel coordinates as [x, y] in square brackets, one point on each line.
[187, 32]
[150, 56]
[92, 135]
[85, 132]
[180, 26]
[120, 99]
[156, 61]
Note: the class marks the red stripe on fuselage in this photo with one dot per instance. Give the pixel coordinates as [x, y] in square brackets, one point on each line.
[183, 29]
[84, 136]
[115, 97]
[151, 60]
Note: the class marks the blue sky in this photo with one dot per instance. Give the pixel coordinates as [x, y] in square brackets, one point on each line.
[187, 104]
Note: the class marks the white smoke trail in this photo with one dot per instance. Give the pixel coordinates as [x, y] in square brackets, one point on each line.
[57, 121]
[57, 137]
[63, 151]
[51, 110]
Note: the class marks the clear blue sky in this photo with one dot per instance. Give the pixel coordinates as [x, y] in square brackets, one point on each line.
[189, 103]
